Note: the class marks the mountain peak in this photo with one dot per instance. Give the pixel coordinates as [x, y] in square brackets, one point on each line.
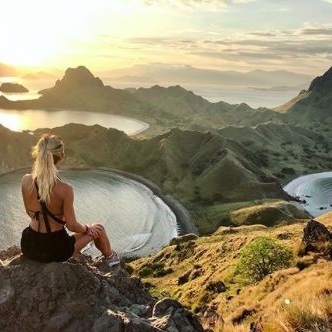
[79, 77]
[322, 83]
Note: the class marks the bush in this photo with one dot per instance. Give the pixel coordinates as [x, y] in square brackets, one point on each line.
[261, 257]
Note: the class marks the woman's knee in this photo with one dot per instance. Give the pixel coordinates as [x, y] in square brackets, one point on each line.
[101, 228]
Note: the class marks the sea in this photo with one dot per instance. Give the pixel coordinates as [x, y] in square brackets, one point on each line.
[315, 190]
[137, 221]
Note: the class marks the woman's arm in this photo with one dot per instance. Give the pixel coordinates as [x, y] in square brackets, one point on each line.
[69, 214]
[25, 178]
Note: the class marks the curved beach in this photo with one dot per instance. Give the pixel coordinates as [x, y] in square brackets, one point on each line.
[315, 190]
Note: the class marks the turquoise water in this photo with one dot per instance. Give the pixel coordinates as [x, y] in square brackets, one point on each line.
[315, 189]
[137, 222]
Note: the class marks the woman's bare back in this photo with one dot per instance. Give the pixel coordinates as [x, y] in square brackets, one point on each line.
[32, 204]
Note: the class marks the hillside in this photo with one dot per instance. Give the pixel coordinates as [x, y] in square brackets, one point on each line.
[200, 169]
[286, 150]
[312, 105]
[203, 278]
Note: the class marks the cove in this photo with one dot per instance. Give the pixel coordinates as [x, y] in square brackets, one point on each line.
[315, 190]
[137, 221]
[19, 120]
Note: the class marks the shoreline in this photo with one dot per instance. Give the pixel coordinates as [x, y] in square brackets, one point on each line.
[144, 125]
[292, 188]
[182, 215]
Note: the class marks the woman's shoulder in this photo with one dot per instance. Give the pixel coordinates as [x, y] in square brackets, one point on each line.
[64, 186]
[26, 178]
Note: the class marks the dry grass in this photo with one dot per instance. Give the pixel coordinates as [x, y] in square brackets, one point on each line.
[212, 259]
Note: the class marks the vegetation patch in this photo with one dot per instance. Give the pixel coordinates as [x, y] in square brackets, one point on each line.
[261, 257]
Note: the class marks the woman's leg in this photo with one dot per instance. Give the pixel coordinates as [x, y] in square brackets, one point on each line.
[101, 242]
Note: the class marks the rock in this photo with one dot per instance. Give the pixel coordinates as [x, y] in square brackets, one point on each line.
[79, 296]
[184, 238]
[212, 317]
[285, 235]
[169, 315]
[13, 87]
[184, 278]
[256, 327]
[216, 287]
[316, 238]
[108, 321]
[165, 306]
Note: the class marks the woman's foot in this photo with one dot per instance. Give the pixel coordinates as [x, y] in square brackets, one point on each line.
[112, 259]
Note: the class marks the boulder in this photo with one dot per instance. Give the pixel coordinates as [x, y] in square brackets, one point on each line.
[81, 295]
[316, 238]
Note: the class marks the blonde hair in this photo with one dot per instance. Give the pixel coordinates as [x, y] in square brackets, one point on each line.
[46, 153]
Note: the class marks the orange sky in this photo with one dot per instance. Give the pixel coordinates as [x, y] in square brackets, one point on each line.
[218, 34]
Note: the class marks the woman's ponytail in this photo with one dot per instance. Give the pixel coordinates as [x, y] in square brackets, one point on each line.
[46, 152]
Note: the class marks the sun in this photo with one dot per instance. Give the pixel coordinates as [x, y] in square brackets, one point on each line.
[37, 32]
[27, 51]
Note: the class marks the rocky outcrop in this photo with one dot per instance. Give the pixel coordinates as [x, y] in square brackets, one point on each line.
[322, 83]
[13, 87]
[312, 105]
[316, 238]
[81, 295]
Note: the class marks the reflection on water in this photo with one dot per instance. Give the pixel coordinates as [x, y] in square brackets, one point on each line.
[10, 121]
[137, 222]
[34, 119]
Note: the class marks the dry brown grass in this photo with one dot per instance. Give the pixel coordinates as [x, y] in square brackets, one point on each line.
[212, 259]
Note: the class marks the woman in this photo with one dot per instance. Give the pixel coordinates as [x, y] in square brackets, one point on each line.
[49, 203]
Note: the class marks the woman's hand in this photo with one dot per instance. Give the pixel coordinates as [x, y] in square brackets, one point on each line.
[95, 230]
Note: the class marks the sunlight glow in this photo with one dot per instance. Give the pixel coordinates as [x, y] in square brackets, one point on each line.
[11, 121]
[36, 29]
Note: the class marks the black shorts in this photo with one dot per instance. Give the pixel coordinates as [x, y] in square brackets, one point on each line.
[56, 246]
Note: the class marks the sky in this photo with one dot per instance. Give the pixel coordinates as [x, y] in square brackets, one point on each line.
[242, 35]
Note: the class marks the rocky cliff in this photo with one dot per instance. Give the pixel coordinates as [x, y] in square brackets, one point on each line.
[81, 295]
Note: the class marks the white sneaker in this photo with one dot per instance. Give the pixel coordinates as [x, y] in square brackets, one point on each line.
[113, 259]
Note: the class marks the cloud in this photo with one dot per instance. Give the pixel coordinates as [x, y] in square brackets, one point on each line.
[319, 31]
[199, 4]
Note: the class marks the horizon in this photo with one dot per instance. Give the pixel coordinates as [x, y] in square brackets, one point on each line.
[224, 35]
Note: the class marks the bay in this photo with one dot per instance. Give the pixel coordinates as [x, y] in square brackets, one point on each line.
[315, 189]
[19, 120]
[137, 221]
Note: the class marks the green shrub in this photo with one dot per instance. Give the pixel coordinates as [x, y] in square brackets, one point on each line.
[145, 271]
[261, 257]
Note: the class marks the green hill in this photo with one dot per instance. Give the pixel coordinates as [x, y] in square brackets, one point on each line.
[313, 105]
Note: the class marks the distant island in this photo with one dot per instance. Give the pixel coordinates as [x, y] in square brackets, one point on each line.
[13, 87]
